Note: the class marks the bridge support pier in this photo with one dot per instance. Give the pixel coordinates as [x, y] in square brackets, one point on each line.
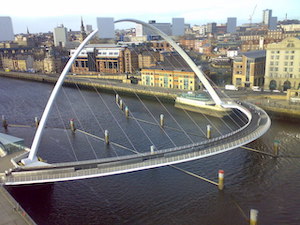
[162, 120]
[121, 104]
[106, 137]
[126, 112]
[208, 131]
[276, 147]
[253, 216]
[72, 126]
[36, 122]
[117, 99]
[152, 149]
[4, 122]
[221, 180]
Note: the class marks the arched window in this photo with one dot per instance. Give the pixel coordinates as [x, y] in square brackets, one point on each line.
[290, 45]
[273, 85]
[286, 85]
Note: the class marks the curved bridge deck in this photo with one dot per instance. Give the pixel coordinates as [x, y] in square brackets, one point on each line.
[258, 124]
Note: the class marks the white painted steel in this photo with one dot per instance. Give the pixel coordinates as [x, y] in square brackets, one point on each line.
[37, 138]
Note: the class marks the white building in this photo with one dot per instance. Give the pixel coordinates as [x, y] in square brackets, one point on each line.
[178, 26]
[6, 29]
[267, 14]
[231, 25]
[106, 27]
[60, 35]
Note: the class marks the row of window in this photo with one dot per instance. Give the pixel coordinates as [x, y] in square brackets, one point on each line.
[286, 52]
[109, 53]
[287, 75]
[166, 80]
[287, 57]
[184, 87]
[285, 69]
[170, 75]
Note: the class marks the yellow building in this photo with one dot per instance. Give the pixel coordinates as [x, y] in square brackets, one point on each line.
[249, 69]
[168, 78]
[283, 65]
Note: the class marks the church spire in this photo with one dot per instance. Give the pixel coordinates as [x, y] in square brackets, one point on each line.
[82, 31]
[82, 26]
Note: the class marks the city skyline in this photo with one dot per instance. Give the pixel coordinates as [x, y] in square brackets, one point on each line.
[68, 14]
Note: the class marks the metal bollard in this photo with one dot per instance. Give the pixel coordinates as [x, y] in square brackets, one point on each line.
[152, 149]
[126, 112]
[121, 104]
[106, 137]
[221, 180]
[276, 147]
[36, 121]
[72, 126]
[117, 99]
[208, 131]
[162, 120]
[253, 216]
[4, 122]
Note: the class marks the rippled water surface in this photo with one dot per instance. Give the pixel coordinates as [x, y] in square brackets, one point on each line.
[156, 196]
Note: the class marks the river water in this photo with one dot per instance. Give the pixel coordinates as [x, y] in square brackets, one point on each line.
[156, 196]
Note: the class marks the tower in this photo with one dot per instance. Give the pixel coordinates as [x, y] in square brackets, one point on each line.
[82, 31]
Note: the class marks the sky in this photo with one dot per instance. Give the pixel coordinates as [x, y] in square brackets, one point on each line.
[43, 16]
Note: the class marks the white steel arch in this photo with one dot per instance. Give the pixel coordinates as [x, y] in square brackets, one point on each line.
[188, 60]
[32, 159]
[37, 138]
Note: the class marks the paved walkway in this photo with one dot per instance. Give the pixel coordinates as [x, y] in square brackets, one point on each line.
[11, 213]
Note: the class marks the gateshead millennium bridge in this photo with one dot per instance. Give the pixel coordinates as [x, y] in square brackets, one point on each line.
[33, 171]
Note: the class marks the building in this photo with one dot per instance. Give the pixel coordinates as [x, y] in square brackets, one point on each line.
[148, 59]
[105, 59]
[231, 25]
[283, 65]
[106, 27]
[60, 36]
[89, 28]
[6, 29]
[161, 46]
[171, 72]
[83, 34]
[273, 23]
[267, 14]
[170, 78]
[212, 28]
[178, 26]
[249, 69]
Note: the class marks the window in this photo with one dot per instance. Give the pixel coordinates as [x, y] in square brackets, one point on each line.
[277, 56]
[285, 63]
[286, 57]
[292, 57]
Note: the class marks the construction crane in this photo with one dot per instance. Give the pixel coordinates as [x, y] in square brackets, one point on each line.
[251, 16]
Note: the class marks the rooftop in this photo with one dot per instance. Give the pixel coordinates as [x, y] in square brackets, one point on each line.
[255, 54]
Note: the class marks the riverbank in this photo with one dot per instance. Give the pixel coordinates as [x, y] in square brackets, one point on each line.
[103, 85]
[276, 105]
[11, 212]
